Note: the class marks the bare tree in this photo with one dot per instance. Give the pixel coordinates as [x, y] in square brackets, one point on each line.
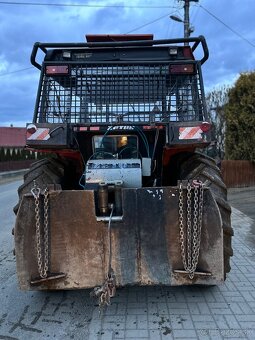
[216, 101]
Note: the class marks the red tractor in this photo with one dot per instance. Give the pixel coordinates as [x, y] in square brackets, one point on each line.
[125, 194]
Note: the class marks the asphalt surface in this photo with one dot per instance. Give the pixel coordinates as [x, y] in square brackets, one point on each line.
[224, 312]
[12, 176]
[243, 199]
[34, 315]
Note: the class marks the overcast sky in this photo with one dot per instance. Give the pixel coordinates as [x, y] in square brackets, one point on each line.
[22, 25]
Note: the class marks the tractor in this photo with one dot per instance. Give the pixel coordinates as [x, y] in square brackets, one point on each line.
[125, 194]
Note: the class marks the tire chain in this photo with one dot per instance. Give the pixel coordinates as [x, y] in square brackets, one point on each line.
[190, 243]
[42, 257]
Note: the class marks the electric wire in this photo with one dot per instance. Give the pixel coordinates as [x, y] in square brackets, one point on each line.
[194, 13]
[15, 3]
[155, 145]
[16, 71]
[133, 30]
[227, 26]
[150, 22]
[144, 139]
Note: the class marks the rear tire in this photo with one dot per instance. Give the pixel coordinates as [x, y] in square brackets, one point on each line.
[204, 168]
[43, 172]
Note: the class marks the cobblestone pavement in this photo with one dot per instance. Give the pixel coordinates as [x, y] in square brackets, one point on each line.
[219, 312]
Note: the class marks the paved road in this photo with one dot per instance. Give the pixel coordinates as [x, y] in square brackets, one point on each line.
[224, 312]
[243, 199]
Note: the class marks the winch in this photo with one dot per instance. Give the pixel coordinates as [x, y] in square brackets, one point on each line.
[129, 171]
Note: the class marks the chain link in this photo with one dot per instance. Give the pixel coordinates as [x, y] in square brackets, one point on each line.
[42, 257]
[189, 226]
[190, 250]
[108, 289]
[182, 240]
[46, 232]
[195, 241]
[200, 218]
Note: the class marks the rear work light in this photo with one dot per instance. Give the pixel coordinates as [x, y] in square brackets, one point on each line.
[57, 70]
[182, 69]
[173, 51]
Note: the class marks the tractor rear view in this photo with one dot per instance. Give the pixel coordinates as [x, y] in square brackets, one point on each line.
[123, 196]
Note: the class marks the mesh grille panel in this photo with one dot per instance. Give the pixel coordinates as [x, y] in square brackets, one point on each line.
[112, 94]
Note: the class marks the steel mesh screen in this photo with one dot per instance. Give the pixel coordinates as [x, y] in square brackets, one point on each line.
[113, 94]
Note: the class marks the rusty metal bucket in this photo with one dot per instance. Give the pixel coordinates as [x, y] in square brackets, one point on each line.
[145, 241]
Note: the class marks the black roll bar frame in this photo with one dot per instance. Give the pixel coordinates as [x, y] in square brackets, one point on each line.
[196, 40]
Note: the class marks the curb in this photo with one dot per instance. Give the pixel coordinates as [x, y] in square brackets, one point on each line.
[8, 174]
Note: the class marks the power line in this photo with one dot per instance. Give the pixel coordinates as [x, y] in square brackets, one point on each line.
[82, 5]
[227, 26]
[133, 30]
[150, 22]
[16, 71]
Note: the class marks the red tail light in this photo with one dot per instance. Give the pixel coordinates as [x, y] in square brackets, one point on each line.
[182, 69]
[57, 70]
[205, 126]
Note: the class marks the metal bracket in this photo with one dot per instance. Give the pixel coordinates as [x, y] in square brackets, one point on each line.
[107, 218]
[50, 277]
[177, 271]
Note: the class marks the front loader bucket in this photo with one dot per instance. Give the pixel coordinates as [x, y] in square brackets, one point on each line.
[145, 241]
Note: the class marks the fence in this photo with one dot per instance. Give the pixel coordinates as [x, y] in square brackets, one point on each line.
[238, 173]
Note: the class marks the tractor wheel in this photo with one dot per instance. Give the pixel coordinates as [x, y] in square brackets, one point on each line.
[43, 172]
[204, 168]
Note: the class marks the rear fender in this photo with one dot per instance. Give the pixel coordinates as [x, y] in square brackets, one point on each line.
[48, 136]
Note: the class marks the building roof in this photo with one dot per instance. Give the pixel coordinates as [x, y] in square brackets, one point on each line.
[12, 137]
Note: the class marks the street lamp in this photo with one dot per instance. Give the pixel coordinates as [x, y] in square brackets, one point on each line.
[187, 28]
[175, 18]
[191, 29]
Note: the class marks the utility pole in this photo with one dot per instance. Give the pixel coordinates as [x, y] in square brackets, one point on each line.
[186, 22]
[187, 28]
[186, 19]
